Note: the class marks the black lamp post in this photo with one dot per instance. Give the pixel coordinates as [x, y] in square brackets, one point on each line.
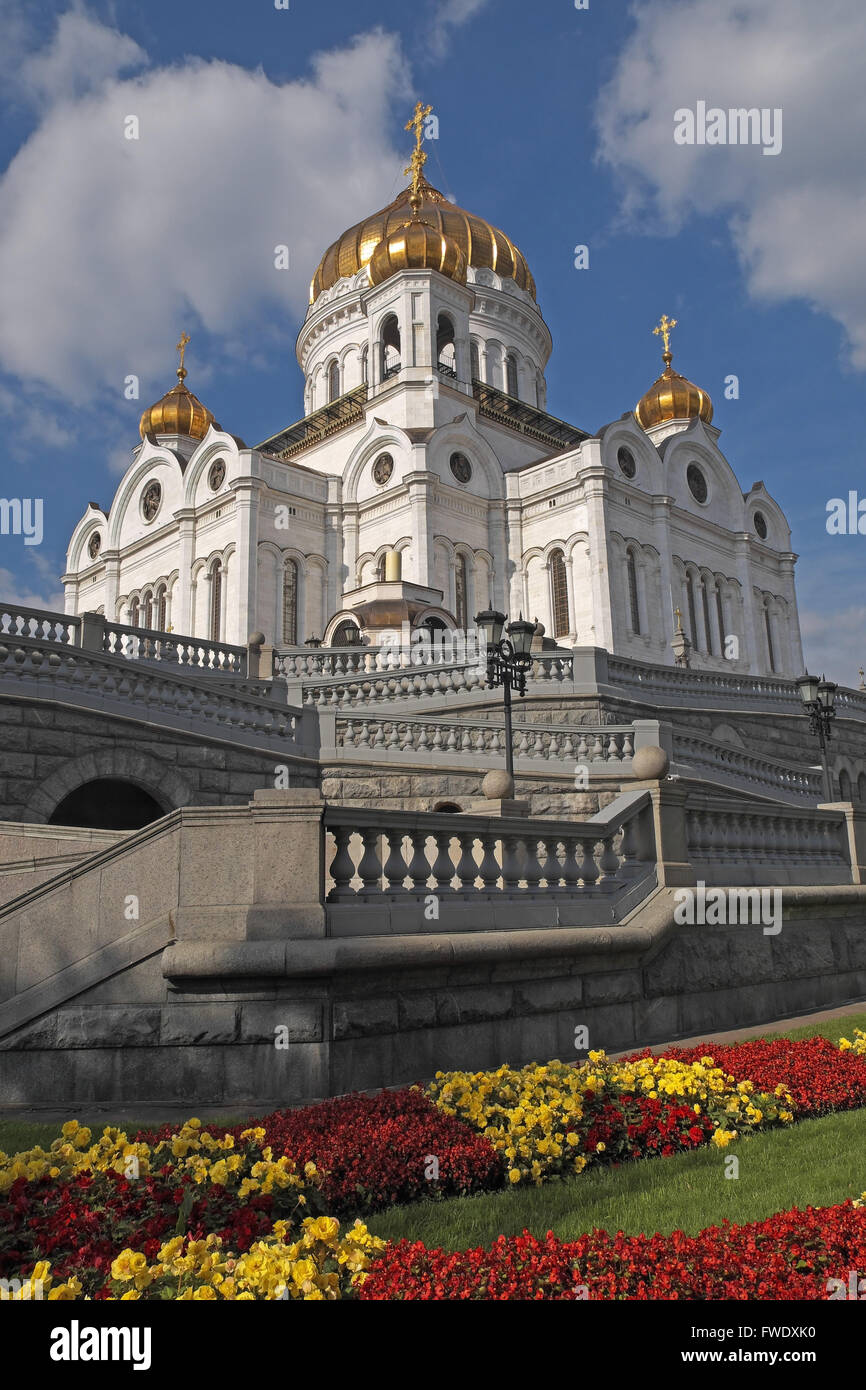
[508, 661]
[819, 699]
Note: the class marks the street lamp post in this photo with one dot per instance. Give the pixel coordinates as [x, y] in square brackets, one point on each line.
[508, 661]
[819, 700]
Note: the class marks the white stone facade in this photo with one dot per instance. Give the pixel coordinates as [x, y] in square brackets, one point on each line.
[602, 555]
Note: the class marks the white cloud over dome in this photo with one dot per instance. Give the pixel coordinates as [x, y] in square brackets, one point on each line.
[798, 220]
[109, 246]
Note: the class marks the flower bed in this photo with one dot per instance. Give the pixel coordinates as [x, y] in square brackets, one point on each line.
[198, 1213]
[789, 1256]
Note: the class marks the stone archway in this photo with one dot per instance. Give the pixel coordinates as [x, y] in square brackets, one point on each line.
[158, 779]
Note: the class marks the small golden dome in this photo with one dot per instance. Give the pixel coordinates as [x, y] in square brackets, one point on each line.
[417, 246]
[671, 396]
[178, 411]
[482, 244]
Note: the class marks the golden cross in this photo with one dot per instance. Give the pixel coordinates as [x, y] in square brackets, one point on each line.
[181, 347]
[679, 617]
[664, 330]
[419, 158]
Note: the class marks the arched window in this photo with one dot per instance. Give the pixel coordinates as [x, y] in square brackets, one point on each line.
[558, 593]
[333, 380]
[693, 617]
[147, 609]
[720, 613]
[364, 366]
[290, 603]
[475, 365]
[768, 625]
[511, 385]
[705, 599]
[390, 345]
[494, 372]
[539, 391]
[380, 569]
[216, 592]
[161, 608]
[844, 786]
[347, 634]
[133, 613]
[461, 587]
[634, 606]
[445, 358]
[861, 787]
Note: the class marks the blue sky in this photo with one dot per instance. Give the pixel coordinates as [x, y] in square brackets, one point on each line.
[261, 126]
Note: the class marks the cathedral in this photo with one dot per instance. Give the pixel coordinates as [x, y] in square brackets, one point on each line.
[427, 480]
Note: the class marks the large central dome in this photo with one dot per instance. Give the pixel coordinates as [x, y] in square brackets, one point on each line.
[481, 243]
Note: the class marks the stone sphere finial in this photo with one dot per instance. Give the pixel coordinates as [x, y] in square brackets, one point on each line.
[650, 763]
[498, 786]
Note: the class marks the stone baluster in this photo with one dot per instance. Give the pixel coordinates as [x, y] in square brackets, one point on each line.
[511, 868]
[396, 868]
[370, 867]
[597, 749]
[582, 749]
[443, 868]
[489, 868]
[419, 866]
[393, 741]
[613, 750]
[533, 871]
[588, 868]
[342, 868]
[552, 871]
[570, 868]
[379, 740]
[467, 871]
[627, 746]
[609, 865]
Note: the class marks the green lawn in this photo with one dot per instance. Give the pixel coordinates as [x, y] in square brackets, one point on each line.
[815, 1162]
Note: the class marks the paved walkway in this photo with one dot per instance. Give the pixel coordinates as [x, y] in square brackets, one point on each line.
[784, 1025]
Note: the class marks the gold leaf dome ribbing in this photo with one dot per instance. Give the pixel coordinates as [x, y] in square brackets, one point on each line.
[417, 246]
[481, 244]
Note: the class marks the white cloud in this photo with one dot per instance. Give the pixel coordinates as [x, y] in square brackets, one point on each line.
[17, 590]
[798, 220]
[82, 56]
[835, 646]
[451, 15]
[109, 246]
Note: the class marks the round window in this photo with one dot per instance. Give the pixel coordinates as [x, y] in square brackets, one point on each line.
[217, 475]
[94, 545]
[382, 469]
[626, 461]
[761, 525]
[697, 483]
[461, 468]
[151, 499]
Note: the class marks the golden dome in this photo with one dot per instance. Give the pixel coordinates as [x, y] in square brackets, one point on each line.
[671, 396]
[480, 243]
[417, 246]
[178, 411]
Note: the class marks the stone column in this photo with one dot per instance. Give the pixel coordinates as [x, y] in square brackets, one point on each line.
[244, 619]
[186, 545]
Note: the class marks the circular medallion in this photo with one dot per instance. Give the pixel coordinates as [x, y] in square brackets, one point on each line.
[382, 469]
[697, 483]
[461, 468]
[625, 459]
[94, 545]
[217, 475]
[151, 500]
[761, 525]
